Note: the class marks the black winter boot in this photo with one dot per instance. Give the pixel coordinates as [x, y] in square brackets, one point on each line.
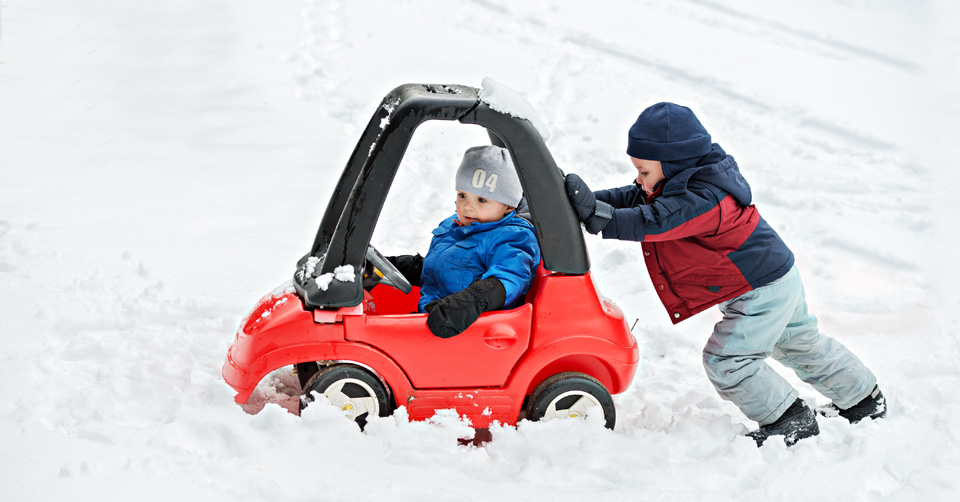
[796, 423]
[873, 406]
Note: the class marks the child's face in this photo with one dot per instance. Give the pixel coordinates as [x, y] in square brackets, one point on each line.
[472, 209]
[649, 173]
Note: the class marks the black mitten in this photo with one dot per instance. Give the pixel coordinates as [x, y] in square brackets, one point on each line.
[410, 266]
[451, 315]
[584, 202]
[593, 213]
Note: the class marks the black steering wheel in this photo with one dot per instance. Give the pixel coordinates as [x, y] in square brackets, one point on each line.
[388, 273]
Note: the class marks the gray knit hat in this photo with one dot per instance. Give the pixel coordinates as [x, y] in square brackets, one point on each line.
[487, 171]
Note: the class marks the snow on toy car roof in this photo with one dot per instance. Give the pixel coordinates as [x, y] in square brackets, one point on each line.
[506, 100]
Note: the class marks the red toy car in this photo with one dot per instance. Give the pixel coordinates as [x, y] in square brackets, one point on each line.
[560, 354]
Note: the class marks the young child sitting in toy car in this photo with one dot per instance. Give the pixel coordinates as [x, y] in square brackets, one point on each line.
[483, 257]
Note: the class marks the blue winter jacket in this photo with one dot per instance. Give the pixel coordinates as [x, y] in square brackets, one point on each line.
[703, 241]
[459, 255]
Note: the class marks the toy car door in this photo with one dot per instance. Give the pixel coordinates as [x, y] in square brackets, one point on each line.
[481, 356]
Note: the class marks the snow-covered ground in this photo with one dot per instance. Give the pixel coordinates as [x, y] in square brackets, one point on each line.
[164, 164]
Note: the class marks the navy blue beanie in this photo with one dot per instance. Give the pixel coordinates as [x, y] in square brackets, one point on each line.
[667, 132]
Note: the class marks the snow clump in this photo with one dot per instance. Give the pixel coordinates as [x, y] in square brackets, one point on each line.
[342, 273]
[506, 100]
[323, 281]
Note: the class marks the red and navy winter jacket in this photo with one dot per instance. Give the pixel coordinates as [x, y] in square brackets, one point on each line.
[702, 240]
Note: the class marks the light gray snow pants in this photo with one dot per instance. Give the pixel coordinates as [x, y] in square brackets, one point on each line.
[772, 321]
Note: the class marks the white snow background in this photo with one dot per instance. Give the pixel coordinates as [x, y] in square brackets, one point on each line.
[164, 164]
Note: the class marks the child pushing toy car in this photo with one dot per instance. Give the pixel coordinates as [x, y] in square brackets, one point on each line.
[705, 244]
[481, 258]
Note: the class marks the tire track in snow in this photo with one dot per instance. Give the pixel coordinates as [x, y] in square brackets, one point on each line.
[718, 86]
[600, 46]
[863, 139]
[794, 113]
[829, 43]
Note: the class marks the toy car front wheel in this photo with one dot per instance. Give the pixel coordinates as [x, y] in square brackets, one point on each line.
[352, 389]
[571, 395]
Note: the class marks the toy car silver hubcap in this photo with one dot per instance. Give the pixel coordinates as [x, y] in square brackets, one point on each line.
[573, 404]
[353, 407]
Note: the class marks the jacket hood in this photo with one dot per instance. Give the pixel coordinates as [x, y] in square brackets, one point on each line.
[716, 168]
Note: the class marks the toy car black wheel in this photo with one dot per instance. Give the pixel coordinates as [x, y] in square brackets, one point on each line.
[571, 395]
[352, 389]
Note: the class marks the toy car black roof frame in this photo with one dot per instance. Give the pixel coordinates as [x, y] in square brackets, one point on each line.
[354, 207]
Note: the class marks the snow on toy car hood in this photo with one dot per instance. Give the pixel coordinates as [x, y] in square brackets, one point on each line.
[506, 100]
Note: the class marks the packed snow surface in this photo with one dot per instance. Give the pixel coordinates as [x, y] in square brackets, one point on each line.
[165, 164]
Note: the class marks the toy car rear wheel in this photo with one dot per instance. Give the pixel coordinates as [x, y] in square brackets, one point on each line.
[571, 395]
[352, 389]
